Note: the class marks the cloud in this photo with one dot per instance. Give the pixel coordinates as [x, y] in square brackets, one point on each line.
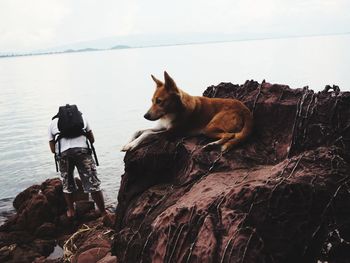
[242, 16]
[38, 24]
[26, 24]
[92, 19]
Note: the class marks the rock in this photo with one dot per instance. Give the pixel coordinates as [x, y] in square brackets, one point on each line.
[9, 238]
[41, 222]
[108, 259]
[46, 230]
[109, 220]
[83, 207]
[92, 255]
[89, 243]
[45, 260]
[21, 199]
[36, 212]
[6, 251]
[275, 198]
[23, 253]
[37, 205]
[44, 247]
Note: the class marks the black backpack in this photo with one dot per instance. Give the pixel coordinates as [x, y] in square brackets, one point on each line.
[70, 122]
[70, 125]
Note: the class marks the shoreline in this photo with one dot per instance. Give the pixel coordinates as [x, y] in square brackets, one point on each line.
[40, 227]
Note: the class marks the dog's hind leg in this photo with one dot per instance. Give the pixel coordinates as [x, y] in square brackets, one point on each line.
[222, 128]
[229, 144]
[238, 138]
[242, 134]
[224, 137]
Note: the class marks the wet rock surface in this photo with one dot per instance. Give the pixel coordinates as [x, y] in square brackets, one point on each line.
[40, 224]
[282, 196]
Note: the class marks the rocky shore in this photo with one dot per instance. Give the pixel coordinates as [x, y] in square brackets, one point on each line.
[41, 232]
[282, 196]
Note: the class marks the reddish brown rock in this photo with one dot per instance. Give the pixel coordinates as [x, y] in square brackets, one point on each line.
[46, 230]
[282, 196]
[91, 255]
[108, 259]
[84, 207]
[23, 197]
[90, 244]
[41, 221]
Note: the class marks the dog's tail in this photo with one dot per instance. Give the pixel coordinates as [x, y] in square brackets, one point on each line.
[244, 133]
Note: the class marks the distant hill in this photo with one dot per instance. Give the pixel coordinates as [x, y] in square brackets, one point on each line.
[120, 47]
[62, 52]
[137, 41]
[131, 41]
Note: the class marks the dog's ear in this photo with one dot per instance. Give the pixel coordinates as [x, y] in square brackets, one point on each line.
[157, 81]
[169, 82]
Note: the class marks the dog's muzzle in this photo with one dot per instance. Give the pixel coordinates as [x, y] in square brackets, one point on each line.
[151, 117]
[147, 116]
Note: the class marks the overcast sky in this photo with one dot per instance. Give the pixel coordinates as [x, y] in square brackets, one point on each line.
[36, 24]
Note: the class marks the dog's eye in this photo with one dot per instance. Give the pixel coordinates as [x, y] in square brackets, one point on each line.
[158, 100]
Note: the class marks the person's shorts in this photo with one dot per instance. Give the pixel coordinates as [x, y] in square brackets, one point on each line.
[81, 159]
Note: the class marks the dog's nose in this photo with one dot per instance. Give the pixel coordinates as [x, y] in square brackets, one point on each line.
[147, 116]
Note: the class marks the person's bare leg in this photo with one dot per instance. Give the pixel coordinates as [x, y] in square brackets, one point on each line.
[70, 204]
[99, 201]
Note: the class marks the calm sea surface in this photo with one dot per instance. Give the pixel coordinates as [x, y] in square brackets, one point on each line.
[113, 90]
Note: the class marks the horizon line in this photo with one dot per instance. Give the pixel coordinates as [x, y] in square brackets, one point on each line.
[113, 47]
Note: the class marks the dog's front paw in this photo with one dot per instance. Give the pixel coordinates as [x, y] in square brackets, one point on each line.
[137, 134]
[127, 147]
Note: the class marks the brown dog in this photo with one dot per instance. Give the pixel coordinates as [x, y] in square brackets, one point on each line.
[228, 121]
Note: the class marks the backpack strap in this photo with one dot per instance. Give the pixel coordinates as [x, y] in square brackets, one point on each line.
[58, 140]
[87, 140]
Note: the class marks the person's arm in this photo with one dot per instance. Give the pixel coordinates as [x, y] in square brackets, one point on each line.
[52, 146]
[89, 133]
[51, 138]
[90, 136]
